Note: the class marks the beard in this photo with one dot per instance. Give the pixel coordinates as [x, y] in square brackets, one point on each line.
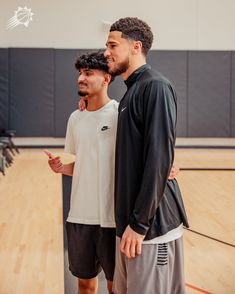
[120, 68]
[82, 93]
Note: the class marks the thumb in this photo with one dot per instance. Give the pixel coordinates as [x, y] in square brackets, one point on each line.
[49, 154]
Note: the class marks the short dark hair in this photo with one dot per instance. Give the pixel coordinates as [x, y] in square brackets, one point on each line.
[93, 60]
[135, 29]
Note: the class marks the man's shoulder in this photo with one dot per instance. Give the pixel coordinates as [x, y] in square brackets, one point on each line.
[155, 82]
[113, 102]
[113, 105]
[153, 77]
[75, 115]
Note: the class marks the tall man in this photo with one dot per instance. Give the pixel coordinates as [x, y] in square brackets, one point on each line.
[149, 210]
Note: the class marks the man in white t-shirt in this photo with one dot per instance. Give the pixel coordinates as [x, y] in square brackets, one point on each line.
[91, 136]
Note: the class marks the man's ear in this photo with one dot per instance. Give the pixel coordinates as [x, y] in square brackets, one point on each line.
[107, 78]
[137, 47]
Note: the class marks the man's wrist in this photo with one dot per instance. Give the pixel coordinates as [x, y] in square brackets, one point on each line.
[62, 171]
[138, 229]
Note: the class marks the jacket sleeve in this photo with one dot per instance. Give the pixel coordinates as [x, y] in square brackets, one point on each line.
[159, 120]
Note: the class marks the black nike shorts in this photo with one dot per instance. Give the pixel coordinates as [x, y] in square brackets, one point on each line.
[91, 248]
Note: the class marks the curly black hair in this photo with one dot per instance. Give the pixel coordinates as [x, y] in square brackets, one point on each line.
[93, 60]
[135, 29]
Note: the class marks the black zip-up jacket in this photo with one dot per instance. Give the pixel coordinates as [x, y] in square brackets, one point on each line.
[144, 197]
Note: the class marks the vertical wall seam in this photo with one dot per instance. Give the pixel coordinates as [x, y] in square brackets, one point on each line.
[9, 87]
[187, 94]
[231, 94]
[54, 93]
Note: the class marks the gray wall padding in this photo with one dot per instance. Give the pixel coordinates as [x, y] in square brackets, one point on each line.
[117, 89]
[32, 91]
[38, 90]
[4, 101]
[209, 94]
[233, 94]
[173, 65]
[66, 97]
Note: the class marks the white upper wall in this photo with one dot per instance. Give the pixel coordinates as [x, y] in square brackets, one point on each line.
[176, 24]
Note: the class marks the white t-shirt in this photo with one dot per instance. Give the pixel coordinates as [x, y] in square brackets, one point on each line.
[168, 237]
[91, 137]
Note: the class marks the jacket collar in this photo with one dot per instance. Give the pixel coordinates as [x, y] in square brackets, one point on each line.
[136, 74]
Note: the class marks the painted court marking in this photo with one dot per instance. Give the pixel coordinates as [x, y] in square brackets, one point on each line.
[197, 289]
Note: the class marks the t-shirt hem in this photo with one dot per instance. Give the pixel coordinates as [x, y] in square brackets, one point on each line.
[168, 237]
[104, 224]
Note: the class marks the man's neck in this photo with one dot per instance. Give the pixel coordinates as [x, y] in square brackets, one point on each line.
[132, 67]
[97, 102]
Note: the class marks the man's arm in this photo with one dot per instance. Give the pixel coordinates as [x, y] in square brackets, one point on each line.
[159, 139]
[57, 166]
[174, 171]
[132, 250]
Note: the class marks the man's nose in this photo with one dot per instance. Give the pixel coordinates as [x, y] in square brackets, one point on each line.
[80, 78]
[106, 52]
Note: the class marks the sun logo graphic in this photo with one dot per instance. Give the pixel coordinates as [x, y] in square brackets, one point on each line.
[22, 16]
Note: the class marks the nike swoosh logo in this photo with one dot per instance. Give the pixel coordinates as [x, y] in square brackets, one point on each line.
[104, 128]
[123, 109]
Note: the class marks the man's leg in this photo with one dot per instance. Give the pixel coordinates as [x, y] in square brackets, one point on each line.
[83, 260]
[159, 269]
[88, 286]
[120, 273]
[105, 247]
[110, 286]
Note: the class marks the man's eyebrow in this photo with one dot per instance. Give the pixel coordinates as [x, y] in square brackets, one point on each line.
[111, 42]
[85, 70]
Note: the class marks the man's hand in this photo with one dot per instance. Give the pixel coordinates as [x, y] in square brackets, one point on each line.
[131, 243]
[54, 162]
[174, 171]
[82, 103]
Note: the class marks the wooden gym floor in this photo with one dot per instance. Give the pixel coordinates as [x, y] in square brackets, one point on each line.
[31, 229]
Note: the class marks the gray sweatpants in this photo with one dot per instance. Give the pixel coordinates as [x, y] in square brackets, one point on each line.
[158, 270]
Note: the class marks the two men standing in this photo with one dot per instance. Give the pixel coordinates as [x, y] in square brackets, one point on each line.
[149, 211]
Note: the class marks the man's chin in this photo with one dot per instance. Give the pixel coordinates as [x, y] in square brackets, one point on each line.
[82, 93]
[116, 71]
[119, 69]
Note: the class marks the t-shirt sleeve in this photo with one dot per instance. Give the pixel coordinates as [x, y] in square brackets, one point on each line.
[69, 139]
